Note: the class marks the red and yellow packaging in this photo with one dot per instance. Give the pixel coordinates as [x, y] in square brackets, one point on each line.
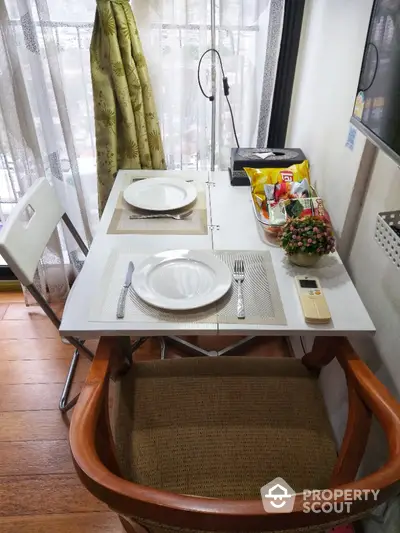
[259, 177]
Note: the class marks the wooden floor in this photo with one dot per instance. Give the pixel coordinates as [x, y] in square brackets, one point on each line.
[39, 491]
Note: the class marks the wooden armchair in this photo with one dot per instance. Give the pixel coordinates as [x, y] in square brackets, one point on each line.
[196, 439]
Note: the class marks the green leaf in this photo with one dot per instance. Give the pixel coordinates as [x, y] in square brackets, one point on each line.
[108, 117]
[118, 68]
[132, 150]
[130, 68]
[130, 20]
[154, 141]
[146, 160]
[124, 30]
[135, 81]
[95, 59]
[108, 22]
[140, 61]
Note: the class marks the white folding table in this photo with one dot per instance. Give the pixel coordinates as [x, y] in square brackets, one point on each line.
[232, 226]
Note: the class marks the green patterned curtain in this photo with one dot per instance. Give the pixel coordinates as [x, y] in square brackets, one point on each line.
[127, 127]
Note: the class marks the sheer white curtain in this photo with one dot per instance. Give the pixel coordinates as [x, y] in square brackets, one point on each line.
[46, 109]
[174, 34]
[46, 120]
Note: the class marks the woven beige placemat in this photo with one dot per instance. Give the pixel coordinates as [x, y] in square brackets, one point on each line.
[104, 305]
[262, 300]
[195, 224]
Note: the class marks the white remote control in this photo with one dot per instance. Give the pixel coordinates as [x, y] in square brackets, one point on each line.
[312, 299]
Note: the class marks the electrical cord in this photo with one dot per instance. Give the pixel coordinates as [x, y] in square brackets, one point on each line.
[364, 89]
[302, 345]
[233, 122]
[211, 98]
[225, 83]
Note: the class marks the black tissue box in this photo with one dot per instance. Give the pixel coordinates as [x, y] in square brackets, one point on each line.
[246, 157]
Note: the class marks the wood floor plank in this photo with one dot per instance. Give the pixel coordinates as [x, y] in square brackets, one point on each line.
[67, 523]
[27, 329]
[12, 349]
[51, 494]
[40, 371]
[3, 310]
[33, 396]
[19, 311]
[39, 489]
[11, 296]
[32, 425]
[35, 457]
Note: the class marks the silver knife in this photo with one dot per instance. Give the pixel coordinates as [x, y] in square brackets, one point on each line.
[124, 291]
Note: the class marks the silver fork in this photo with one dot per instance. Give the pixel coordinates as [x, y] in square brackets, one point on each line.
[180, 216]
[238, 276]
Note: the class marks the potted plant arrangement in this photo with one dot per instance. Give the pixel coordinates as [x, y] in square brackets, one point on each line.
[306, 239]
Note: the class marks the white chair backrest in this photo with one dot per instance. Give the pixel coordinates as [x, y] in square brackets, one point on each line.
[28, 229]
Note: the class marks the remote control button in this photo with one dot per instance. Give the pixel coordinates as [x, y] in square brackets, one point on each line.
[317, 292]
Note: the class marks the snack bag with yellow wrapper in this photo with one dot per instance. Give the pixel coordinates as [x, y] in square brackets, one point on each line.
[262, 177]
[270, 186]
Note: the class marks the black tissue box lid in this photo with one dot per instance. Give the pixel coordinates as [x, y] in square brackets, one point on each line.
[283, 157]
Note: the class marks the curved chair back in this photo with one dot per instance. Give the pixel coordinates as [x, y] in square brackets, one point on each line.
[158, 511]
[28, 229]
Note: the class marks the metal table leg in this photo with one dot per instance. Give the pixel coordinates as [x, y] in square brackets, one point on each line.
[192, 350]
[64, 405]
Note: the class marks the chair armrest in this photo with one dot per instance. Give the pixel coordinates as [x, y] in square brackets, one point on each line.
[367, 397]
[212, 514]
[373, 393]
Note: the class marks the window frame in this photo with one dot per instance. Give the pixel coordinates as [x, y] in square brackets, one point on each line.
[291, 33]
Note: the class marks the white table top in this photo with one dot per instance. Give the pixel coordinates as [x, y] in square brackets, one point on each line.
[235, 228]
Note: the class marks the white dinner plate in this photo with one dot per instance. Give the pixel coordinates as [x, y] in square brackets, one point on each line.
[160, 194]
[181, 279]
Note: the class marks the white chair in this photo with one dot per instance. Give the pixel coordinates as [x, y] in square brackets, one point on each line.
[22, 241]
